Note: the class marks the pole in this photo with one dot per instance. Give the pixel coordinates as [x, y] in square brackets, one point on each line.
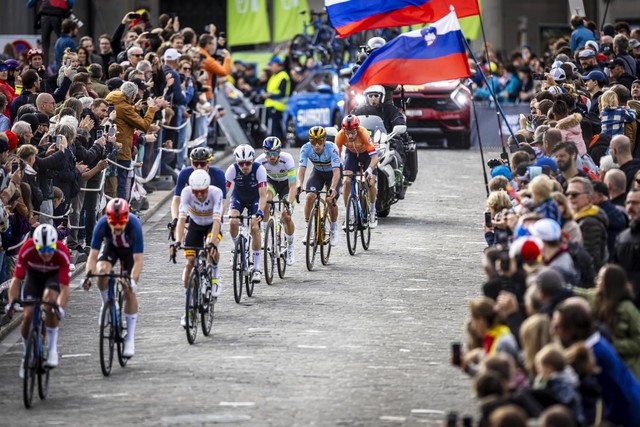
[604, 17]
[484, 170]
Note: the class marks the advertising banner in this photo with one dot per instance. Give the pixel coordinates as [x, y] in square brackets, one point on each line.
[287, 20]
[247, 22]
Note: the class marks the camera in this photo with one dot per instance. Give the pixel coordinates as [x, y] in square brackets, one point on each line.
[494, 163]
[217, 55]
[134, 15]
[98, 134]
[538, 76]
[222, 34]
[456, 354]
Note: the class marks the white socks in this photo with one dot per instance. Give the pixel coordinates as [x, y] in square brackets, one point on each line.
[289, 239]
[52, 339]
[256, 259]
[131, 325]
[104, 295]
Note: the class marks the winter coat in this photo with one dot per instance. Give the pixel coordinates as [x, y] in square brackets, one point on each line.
[627, 255]
[618, 222]
[564, 387]
[563, 263]
[598, 146]
[626, 335]
[127, 121]
[571, 131]
[46, 168]
[594, 224]
[549, 209]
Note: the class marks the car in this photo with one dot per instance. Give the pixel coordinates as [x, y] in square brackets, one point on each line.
[318, 100]
[438, 110]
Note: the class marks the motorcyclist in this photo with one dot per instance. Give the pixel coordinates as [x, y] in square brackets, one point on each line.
[372, 44]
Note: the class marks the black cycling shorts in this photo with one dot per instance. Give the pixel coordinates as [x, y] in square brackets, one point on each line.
[278, 188]
[36, 282]
[318, 180]
[195, 236]
[110, 253]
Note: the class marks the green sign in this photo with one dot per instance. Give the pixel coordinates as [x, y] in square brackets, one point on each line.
[287, 20]
[247, 22]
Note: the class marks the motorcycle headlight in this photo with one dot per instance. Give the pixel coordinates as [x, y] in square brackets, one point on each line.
[461, 97]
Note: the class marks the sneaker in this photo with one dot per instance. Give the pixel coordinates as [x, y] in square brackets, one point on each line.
[21, 371]
[373, 222]
[72, 267]
[334, 235]
[216, 288]
[291, 258]
[52, 359]
[344, 225]
[183, 321]
[256, 277]
[80, 256]
[129, 349]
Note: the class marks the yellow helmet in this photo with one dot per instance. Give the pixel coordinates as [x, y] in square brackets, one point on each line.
[317, 132]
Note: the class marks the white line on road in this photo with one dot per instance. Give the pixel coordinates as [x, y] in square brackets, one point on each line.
[237, 404]
[427, 411]
[204, 419]
[415, 289]
[238, 357]
[312, 347]
[393, 418]
[100, 396]
[65, 356]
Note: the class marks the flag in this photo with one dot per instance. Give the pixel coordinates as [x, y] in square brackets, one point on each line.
[351, 16]
[422, 56]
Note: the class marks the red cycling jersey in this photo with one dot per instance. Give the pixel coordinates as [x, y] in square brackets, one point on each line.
[29, 258]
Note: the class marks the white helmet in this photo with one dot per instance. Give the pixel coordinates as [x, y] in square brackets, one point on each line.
[199, 180]
[45, 236]
[375, 89]
[376, 42]
[4, 219]
[244, 152]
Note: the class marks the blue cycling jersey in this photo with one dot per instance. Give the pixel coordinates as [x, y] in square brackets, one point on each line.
[215, 173]
[131, 238]
[323, 162]
[246, 187]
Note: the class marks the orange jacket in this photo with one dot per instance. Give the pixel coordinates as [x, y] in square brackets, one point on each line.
[213, 67]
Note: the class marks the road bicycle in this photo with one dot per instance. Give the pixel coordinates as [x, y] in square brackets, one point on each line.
[358, 213]
[36, 355]
[199, 302]
[318, 231]
[275, 242]
[242, 259]
[113, 329]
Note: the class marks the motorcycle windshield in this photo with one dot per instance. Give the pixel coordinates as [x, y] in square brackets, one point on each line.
[372, 124]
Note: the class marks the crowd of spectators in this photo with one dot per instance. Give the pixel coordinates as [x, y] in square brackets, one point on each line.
[555, 335]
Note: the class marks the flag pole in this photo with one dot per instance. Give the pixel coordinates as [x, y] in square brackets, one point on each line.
[484, 170]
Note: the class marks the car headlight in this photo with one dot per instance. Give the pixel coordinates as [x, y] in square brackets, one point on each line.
[460, 97]
[360, 99]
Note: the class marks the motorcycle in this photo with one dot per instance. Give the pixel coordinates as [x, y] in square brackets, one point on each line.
[246, 114]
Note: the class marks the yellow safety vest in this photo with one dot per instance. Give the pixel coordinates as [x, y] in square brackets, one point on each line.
[273, 86]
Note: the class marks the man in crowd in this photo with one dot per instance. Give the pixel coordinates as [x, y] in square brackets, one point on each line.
[616, 182]
[618, 74]
[595, 81]
[621, 154]
[69, 31]
[627, 246]
[275, 97]
[566, 154]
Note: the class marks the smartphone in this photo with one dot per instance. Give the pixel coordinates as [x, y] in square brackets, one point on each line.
[98, 134]
[51, 139]
[152, 36]
[452, 419]
[58, 141]
[488, 220]
[456, 357]
[112, 131]
[14, 167]
[111, 107]
[207, 28]
[538, 76]
[467, 421]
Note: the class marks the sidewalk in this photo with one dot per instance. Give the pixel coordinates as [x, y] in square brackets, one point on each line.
[156, 200]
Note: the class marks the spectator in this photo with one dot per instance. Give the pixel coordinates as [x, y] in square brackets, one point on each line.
[566, 154]
[621, 154]
[535, 333]
[207, 47]
[621, 49]
[551, 138]
[580, 35]
[86, 43]
[5, 123]
[134, 55]
[95, 71]
[179, 98]
[106, 52]
[618, 74]
[487, 324]
[51, 16]
[568, 224]
[594, 82]
[541, 188]
[69, 30]
[628, 244]
[612, 116]
[557, 416]
[617, 219]
[616, 182]
[278, 90]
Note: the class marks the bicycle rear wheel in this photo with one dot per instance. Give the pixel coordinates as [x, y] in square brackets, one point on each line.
[312, 238]
[120, 329]
[248, 279]
[281, 245]
[191, 306]
[325, 238]
[238, 270]
[352, 225]
[107, 339]
[43, 371]
[365, 232]
[206, 310]
[270, 249]
[31, 363]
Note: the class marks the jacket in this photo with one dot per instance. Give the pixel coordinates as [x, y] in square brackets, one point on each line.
[594, 224]
[214, 69]
[572, 132]
[127, 121]
[45, 166]
[618, 222]
[626, 335]
[627, 254]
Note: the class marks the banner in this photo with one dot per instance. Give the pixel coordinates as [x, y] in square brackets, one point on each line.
[287, 20]
[247, 22]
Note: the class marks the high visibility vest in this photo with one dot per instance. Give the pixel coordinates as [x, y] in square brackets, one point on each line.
[273, 86]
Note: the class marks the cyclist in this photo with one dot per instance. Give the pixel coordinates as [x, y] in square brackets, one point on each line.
[250, 191]
[359, 151]
[118, 236]
[281, 181]
[43, 264]
[327, 171]
[202, 203]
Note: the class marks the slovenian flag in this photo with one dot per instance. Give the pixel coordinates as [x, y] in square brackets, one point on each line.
[422, 56]
[351, 16]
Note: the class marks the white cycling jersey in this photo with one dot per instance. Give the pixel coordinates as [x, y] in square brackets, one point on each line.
[201, 213]
[284, 170]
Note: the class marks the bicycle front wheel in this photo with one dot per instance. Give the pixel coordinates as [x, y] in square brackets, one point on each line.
[325, 238]
[248, 253]
[191, 306]
[120, 328]
[238, 270]
[107, 339]
[352, 225]
[281, 245]
[312, 238]
[269, 251]
[43, 371]
[365, 232]
[31, 365]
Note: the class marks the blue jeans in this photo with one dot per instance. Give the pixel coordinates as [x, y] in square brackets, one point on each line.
[123, 179]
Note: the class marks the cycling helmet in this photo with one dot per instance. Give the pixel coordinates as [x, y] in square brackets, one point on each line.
[34, 52]
[4, 219]
[199, 180]
[272, 143]
[11, 64]
[117, 211]
[244, 153]
[351, 122]
[376, 42]
[317, 132]
[45, 237]
[201, 154]
[375, 89]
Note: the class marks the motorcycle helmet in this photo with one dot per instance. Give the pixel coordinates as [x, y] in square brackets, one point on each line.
[34, 52]
[199, 180]
[118, 211]
[317, 132]
[351, 122]
[272, 143]
[201, 154]
[244, 153]
[45, 237]
[376, 42]
[375, 89]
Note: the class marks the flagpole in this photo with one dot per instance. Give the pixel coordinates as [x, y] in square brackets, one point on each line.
[484, 170]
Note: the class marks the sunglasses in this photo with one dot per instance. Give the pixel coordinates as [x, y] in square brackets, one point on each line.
[186, 69]
[199, 164]
[243, 164]
[275, 153]
[317, 141]
[572, 195]
[200, 192]
[46, 250]
[138, 55]
[373, 95]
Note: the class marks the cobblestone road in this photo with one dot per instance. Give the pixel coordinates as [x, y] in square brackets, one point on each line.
[364, 341]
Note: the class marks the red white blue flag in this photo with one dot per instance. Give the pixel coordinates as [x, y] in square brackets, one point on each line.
[351, 16]
[422, 56]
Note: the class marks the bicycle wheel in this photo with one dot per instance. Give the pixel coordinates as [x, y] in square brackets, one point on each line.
[352, 225]
[206, 309]
[43, 371]
[30, 369]
[191, 305]
[365, 231]
[270, 249]
[238, 270]
[248, 278]
[107, 339]
[312, 245]
[281, 245]
[325, 237]
[120, 329]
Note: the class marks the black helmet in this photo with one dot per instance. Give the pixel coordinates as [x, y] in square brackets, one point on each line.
[201, 154]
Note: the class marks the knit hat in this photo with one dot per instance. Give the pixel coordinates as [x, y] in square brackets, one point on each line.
[13, 140]
[529, 248]
[32, 120]
[114, 83]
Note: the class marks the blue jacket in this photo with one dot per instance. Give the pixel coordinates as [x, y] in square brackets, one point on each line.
[64, 41]
[549, 209]
[580, 36]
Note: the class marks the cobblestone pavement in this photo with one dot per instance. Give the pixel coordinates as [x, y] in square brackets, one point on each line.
[364, 341]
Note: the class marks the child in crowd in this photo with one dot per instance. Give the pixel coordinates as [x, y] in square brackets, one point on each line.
[612, 116]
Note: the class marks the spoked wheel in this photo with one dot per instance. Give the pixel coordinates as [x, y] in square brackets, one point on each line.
[191, 306]
[312, 239]
[238, 270]
[43, 371]
[281, 245]
[206, 308]
[31, 366]
[270, 249]
[325, 237]
[365, 232]
[121, 329]
[352, 225]
[107, 339]
[249, 277]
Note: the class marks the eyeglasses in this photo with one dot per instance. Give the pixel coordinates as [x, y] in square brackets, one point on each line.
[46, 250]
[317, 141]
[573, 194]
[373, 95]
[137, 55]
[186, 69]
[274, 153]
[200, 192]
[199, 164]
[243, 164]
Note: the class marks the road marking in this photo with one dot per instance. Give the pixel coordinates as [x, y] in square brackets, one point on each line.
[393, 418]
[204, 419]
[417, 280]
[64, 356]
[415, 289]
[382, 367]
[237, 404]
[148, 292]
[100, 396]
[405, 350]
[427, 411]
[312, 347]
[238, 357]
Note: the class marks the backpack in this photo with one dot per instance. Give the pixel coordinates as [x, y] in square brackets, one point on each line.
[583, 262]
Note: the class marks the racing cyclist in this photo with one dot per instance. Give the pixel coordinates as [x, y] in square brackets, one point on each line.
[202, 203]
[118, 236]
[359, 151]
[327, 171]
[43, 264]
[249, 180]
[281, 181]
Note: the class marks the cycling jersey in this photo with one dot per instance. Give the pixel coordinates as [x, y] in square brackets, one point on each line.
[215, 173]
[284, 170]
[201, 213]
[323, 162]
[29, 260]
[130, 238]
[246, 186]
[362, 143]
